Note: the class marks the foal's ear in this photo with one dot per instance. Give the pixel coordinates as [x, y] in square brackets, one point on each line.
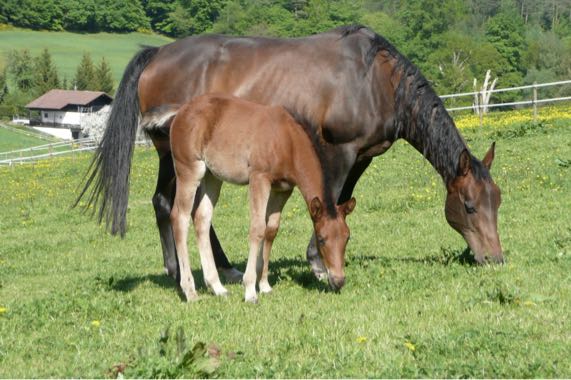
[347, 207]
[464, 163]
[315, 208]
[489, 157]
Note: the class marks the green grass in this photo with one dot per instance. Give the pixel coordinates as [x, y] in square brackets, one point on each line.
[12, 140]
[78, 302]
[67, 48]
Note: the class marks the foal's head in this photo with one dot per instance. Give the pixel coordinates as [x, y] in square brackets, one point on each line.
[332, 235]
[472, 206]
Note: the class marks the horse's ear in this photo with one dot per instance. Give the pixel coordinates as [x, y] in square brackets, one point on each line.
[489, 157]
[315, 208]
[347, 207]
[464, 163]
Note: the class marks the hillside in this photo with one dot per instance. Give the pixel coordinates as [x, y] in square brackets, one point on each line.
[11, 139]
[67, 48]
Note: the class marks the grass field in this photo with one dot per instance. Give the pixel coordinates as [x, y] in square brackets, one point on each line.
[11, 140]
[76, 302]
[67, 48]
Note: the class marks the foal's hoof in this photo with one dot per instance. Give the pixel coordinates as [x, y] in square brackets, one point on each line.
[191, 296]
[221, 292]
[265, 288]
[253, 300]
[231, 275]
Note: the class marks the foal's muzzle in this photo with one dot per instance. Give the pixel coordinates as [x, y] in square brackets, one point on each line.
[336, 283]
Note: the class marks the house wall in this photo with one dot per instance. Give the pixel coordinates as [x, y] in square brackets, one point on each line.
[60, 117]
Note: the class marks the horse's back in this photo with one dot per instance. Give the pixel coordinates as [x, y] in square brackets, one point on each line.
[323, 76]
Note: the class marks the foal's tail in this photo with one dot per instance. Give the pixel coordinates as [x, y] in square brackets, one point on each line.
[108, 174]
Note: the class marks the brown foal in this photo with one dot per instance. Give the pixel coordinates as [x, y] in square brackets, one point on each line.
[217, 138]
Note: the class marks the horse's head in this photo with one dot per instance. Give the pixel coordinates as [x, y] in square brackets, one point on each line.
[332, 235]
[472, 206]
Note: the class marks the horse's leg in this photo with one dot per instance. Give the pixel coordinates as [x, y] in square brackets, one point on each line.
[260, 188]
[346, 192]
[162, 202]
[187, 181]
[273, 213]
[356, 171]
[205, 201]
[231, 274]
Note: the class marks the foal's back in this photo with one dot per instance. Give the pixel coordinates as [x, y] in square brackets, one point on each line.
[236, 138]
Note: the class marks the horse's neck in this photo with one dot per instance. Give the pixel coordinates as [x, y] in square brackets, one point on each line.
[435, 136]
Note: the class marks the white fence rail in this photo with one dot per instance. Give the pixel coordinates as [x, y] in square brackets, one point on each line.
[534, 100]
[31, 155]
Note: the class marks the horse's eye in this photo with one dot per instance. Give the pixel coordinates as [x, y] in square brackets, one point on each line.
[470, 209]
[320, 241]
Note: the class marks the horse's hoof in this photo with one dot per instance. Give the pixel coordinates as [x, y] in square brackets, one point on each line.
[253, 300]
[231, 275]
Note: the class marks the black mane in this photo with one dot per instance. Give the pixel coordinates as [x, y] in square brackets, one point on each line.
[421, 117]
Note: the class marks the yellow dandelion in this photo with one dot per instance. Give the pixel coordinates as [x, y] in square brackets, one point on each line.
[528, 303]
[361, 339]
[410, 346]
[3, 310]
[96, 323]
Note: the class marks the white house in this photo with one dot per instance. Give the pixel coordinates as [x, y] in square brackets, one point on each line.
[67, 108]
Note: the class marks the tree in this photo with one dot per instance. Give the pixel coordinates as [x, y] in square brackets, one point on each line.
[452, 61]
[103, 78]
[425, 21]
[121, 16]
[178, 23]
[505, 31]
[20, 66]
[85, 74]
[3, 85]
[158, 13]
[386, 26]
[34, 14]
[203, 12]
[80, 15]
[45, 73]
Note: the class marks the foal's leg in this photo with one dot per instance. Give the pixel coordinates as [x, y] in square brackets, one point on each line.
[162, 202]
[188, 177]
[273, 213]
[260, 188]
[206, 199]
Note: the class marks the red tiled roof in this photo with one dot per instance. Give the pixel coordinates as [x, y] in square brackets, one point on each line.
[58, 99]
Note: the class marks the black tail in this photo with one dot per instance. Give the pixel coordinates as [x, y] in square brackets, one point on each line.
[108, 174]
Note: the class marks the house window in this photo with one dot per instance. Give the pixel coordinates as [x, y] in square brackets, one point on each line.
[45, 114]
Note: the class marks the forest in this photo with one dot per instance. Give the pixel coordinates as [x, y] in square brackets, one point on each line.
[452, 41]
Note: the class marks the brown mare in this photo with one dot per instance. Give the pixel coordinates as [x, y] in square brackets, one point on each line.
[349, 85]
[217, 138]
